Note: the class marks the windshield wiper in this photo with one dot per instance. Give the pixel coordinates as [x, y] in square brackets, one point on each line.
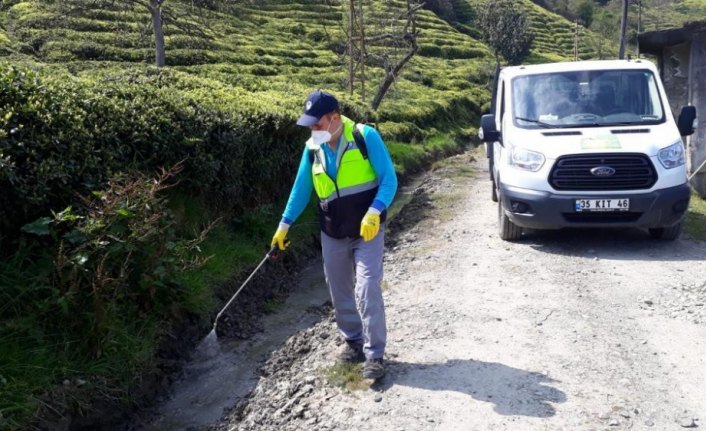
[537, 122]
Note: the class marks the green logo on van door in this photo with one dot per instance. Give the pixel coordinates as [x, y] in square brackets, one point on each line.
[602, 142]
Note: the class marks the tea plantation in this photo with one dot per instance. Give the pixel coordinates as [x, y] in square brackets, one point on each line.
[129, 193]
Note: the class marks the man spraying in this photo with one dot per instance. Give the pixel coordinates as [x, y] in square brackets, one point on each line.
[349, 167]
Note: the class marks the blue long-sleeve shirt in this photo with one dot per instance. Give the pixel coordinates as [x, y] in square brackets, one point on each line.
[379, 158]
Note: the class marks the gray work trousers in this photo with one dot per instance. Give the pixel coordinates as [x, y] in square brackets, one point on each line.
[353, 270]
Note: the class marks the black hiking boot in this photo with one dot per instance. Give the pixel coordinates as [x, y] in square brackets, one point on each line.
[373, 369]
[351, 353]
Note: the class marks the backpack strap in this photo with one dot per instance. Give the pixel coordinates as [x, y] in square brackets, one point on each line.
[360, 140]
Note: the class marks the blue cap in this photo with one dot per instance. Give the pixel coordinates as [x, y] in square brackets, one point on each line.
[318, 104]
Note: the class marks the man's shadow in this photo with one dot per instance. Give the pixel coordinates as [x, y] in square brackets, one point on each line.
[513, 391]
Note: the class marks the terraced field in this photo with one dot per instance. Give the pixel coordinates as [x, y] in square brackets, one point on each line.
[658, 16]
[271, 46]
[553, 34]
[283, 49]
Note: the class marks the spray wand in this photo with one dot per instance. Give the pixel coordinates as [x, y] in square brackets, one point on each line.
[270, 254]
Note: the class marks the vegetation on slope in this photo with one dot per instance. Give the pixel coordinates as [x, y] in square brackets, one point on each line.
[86, 114]
[86, 118]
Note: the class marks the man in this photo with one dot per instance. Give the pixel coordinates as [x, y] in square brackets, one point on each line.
[355, 181]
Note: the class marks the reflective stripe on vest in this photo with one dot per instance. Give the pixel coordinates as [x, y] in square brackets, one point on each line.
[355, 173]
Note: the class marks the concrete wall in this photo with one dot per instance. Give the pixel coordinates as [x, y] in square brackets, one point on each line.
[683, 70]
[697, 90]
[675, 75]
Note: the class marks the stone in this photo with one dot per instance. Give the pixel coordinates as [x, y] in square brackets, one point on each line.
[605, 415]
[687, 423]
[377, 398]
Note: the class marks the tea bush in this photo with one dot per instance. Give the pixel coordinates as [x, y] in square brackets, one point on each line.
[61, 136]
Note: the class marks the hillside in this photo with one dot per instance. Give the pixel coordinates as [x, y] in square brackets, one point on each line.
[554, 35]
[663, 14]
[85, 109]
[281, 48]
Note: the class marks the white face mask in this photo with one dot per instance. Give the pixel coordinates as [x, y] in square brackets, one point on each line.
[320, 137]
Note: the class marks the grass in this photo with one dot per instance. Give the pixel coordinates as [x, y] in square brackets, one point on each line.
[696, 218]
[347, 376]
[401, 199]
[30, 365]
[274, 306]
[240, 244]
[34, 363]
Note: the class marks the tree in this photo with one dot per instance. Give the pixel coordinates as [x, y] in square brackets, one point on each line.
[407, 38]
[393, 48]
[443, 8]
[506, 30]
[604, 29]
[155, 9]
[623, 27]
[159, 17]
[584, 12]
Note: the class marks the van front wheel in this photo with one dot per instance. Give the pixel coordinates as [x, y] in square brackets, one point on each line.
[666, 233]
[508, 230]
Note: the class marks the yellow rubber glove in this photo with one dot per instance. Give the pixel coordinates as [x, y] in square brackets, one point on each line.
[370, 225]
[280, 237]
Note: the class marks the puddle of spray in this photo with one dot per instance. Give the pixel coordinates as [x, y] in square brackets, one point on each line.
[221, 373]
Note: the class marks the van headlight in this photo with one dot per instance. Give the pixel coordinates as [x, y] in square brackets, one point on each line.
[526, 159]
[672, 156]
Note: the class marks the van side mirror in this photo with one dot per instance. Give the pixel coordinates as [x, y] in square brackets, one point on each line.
[487, 131]
[687, 120]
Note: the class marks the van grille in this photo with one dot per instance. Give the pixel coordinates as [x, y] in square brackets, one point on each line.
[632, 172]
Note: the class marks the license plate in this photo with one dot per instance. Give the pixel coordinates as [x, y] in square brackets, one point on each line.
[584, 205]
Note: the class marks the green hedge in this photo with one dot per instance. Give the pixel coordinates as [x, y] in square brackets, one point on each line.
[61, 136]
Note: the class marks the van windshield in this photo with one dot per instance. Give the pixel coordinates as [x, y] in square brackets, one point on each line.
[591, 98]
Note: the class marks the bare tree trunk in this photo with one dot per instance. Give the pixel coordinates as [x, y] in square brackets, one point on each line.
[362, 54]
[155, 7]
[623, 28]
[391, 76]
[351, 60]
[576, 40]
[410, 35]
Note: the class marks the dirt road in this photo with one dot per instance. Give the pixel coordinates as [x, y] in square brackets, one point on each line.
[566, 330]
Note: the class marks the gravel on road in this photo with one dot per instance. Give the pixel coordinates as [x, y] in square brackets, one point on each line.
[563, 330]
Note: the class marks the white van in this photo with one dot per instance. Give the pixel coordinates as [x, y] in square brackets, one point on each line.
[586, 144]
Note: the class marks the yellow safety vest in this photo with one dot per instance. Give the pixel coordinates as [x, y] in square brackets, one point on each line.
[345, 200]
